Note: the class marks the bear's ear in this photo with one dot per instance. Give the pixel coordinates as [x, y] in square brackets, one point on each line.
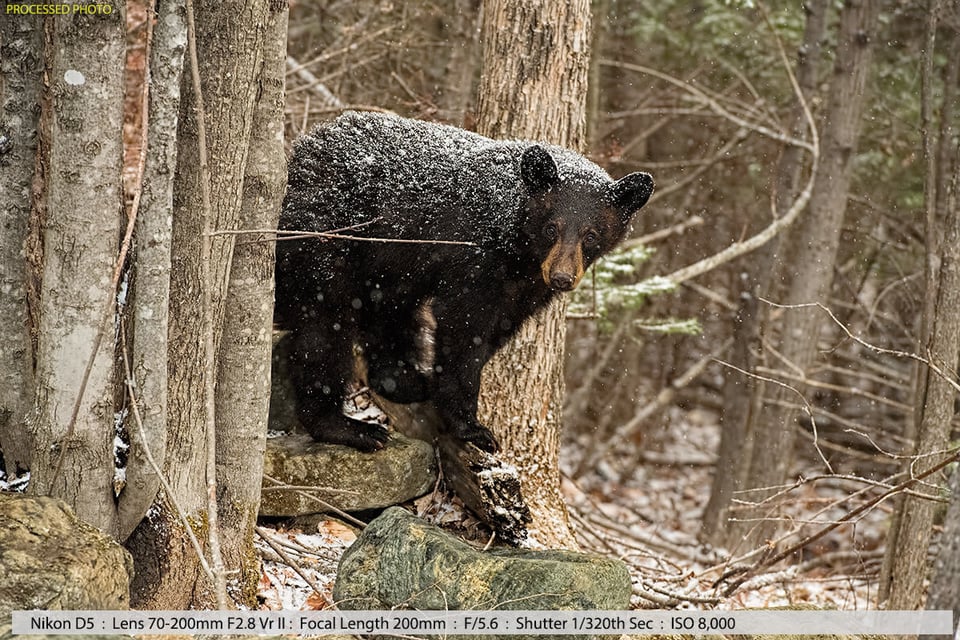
[631, 192]
[537, 168]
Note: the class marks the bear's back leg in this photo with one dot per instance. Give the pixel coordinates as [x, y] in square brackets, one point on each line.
[321, 364]
[390, 337]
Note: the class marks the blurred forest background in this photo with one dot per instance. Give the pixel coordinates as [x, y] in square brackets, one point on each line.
[698, 93]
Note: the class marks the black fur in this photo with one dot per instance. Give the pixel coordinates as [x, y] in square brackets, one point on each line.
[526, 212]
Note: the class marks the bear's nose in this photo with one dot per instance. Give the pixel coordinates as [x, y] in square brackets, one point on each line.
[562, 281]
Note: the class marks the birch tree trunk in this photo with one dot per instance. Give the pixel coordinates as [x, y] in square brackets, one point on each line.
[243, 383]
[229, 42]
[815, 238]
[74, 424]
[148, 307]
[21, 67]
[533, 85]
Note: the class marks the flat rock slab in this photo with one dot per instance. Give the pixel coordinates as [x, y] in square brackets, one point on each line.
[402, 561]
[319, 475]
[50, 559]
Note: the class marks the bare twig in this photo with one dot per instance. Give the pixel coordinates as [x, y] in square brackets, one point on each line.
[740, 248]
[660, 234]
[643, 413]
[279, 484]
[284, 234]
[891, 352]
[314, 84]
[847, 518]
[293, 564]
[701, 96]
[807, 408]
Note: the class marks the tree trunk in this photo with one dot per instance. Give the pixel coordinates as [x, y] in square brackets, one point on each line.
[743, 397]
[816, 237]
[905, 564]
[945, 583]
[453, 100]
[21, 68]
[533, 85]
[148, 307]
[229, 42]
[74, 426]
[243, 384]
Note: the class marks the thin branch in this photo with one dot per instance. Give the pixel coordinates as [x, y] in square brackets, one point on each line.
[713, 104]
[845, 519]
[279, 484]
[807, 407]
[314, 84]
[740, 248]
[643, 413]
[285, 234]
[892, 352]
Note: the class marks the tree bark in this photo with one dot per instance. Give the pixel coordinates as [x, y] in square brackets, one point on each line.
[743, 398]
[945, 582]
[229, 41]
[21, 67]
[73, 452]
[243, 384]
[533, 85]
[148, 307]
[816, 237]
[905, 564]
[453, 100]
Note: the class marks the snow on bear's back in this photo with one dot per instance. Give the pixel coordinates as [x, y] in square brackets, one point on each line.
[366, 162]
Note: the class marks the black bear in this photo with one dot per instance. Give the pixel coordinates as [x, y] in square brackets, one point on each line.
[482, 232]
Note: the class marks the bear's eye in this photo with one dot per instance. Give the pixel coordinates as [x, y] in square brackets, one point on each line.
[591, 239]
[551, 232]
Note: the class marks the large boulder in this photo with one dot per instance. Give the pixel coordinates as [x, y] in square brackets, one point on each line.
[50, 559]
[402, 561]
[343, 477]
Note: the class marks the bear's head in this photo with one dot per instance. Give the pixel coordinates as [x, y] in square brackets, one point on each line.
[570, 222]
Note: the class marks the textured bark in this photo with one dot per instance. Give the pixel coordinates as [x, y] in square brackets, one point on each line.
[21, 65]
[817, 238]
[453, 100]
[229, 42]
[945, 582]
[742, 397]
[148, 310]
[85, 59]
[243, 379]
[533, 85]
[905, 564]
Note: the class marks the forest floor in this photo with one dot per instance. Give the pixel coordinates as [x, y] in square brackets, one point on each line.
[650, 520]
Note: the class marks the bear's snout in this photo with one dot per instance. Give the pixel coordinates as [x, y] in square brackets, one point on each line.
[563, 282]
[563, 266]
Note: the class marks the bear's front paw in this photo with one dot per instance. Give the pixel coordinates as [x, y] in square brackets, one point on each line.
[369, 437]
[363, 436]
